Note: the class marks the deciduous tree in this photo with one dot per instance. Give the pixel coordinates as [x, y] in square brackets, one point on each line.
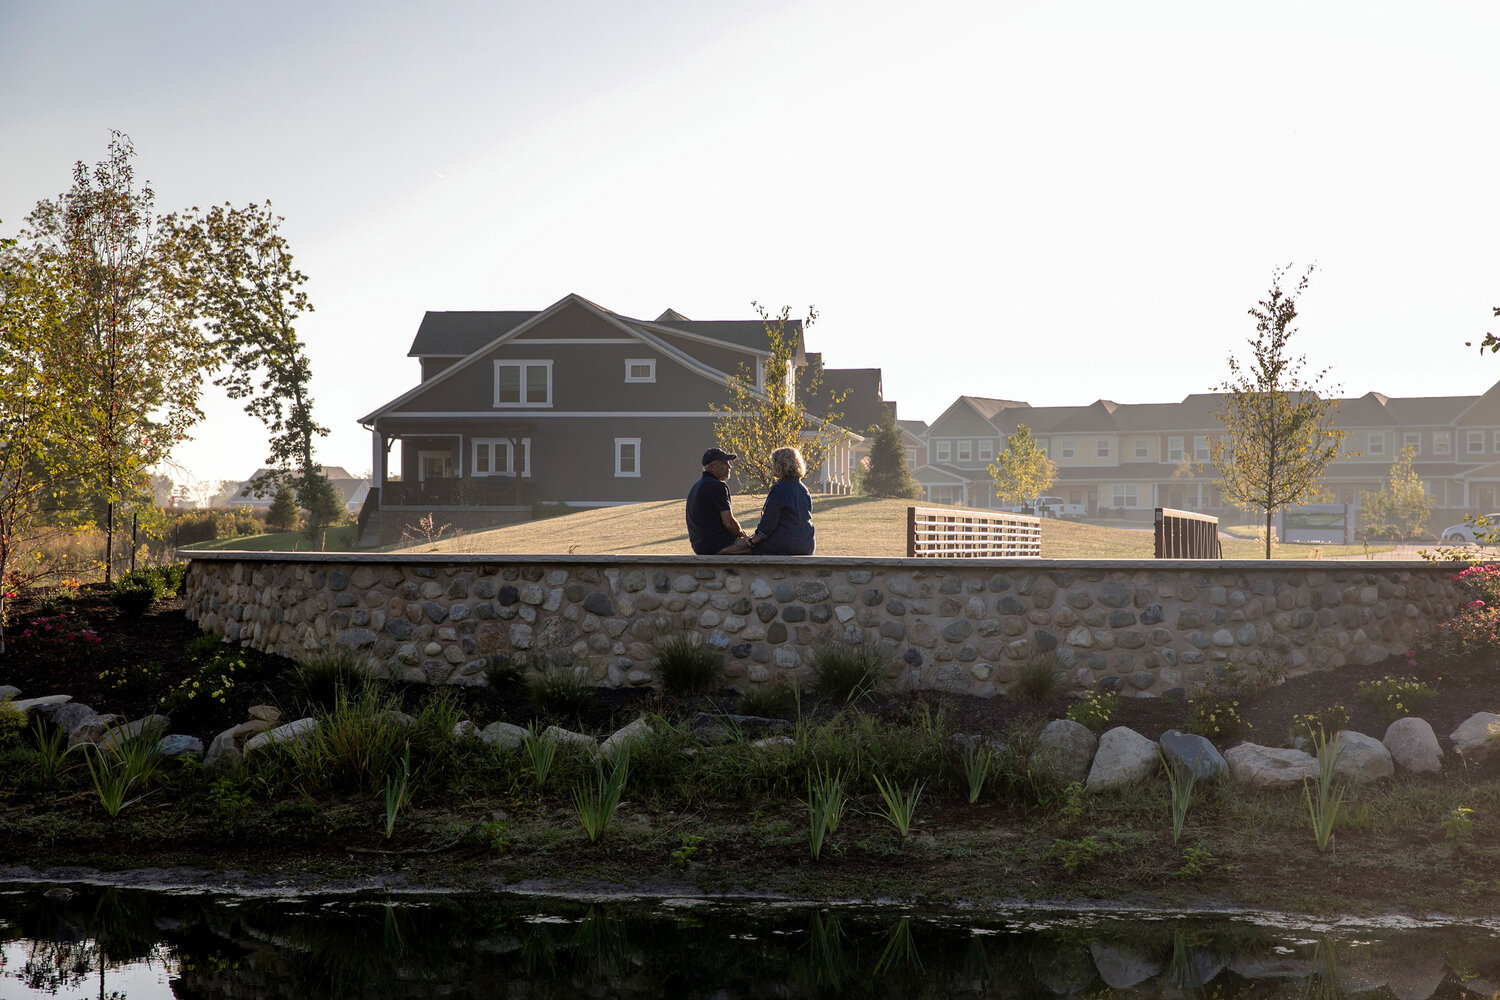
[134, 357]
[888, 475]
[1279, 433]
[761, 417]
[1399, 510]
[1021, 472]
[249, 294]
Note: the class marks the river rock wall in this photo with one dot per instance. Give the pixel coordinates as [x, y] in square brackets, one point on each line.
[965, 626]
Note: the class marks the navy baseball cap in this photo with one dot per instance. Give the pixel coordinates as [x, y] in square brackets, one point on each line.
[715, 455]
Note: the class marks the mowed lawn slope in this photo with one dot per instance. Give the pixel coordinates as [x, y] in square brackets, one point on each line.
[847, 526]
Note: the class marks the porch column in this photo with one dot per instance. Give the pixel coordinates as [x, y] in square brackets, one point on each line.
[377, 458]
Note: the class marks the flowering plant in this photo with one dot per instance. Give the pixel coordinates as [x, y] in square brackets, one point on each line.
[57, 628]
[1483, 581]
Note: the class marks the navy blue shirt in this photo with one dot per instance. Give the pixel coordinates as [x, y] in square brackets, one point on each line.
[786, 527]
[706, 501]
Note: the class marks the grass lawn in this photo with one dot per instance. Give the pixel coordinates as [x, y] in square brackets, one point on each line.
[339, 539]
[847, 526]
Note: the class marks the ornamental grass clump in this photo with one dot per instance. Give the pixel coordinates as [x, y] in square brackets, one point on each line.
[826, 802]
[596, 803]
[846, 673]
[684, 668]
[558, 689]
[897, 806]
[1039, 677]
[778, 700]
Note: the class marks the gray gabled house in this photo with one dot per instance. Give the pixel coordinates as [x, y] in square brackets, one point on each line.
[573, 404]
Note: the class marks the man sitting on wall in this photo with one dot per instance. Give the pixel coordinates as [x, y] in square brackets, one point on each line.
[712, 529]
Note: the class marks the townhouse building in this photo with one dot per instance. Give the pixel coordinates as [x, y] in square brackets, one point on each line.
[1123, 460]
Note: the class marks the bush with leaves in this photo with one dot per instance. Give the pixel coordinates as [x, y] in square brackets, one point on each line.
[138, 591]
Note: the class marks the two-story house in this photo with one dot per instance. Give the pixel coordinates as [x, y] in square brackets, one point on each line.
[573, 404]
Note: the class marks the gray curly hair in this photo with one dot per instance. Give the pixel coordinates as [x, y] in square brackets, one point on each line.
[788, 462]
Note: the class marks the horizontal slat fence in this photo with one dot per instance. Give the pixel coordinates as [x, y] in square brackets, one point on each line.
[942, 532]
[1186, 534]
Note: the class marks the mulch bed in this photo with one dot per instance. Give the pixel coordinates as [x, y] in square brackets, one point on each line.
[64, 659]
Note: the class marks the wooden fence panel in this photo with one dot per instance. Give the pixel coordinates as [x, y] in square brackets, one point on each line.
[940, 532]
[1186, 534]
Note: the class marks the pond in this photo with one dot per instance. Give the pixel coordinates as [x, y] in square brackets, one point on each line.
[142, 945]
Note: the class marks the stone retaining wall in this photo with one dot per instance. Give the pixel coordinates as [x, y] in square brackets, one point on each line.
[1144, 627]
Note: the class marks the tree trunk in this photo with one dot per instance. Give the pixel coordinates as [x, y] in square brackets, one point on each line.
[109, 539]
[1268, 534]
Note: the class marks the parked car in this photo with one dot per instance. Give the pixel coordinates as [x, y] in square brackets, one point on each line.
[1485, 526]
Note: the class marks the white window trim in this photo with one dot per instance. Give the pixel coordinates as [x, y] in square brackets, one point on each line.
[1442, 443]
[1142, 448]
[523, 445]
[1065, 448]
[1203, 454]
[1413, 440]
[523, 364]
[648, 362]
[945, 451]
[1101, 448]
[987, 450]
[966, 451]
[1174, 449]
[620, 443]
[1123, 492]
[1470, 437]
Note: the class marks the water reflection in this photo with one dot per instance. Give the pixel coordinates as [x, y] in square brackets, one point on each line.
[142, 946]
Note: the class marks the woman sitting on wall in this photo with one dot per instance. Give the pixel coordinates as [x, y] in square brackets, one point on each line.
[785, 527]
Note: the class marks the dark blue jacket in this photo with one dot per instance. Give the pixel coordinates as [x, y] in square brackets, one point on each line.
[786, 527]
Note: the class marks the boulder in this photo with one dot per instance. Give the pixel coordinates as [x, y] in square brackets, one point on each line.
[9, 692]
[1125, 758]
[44, 706]
[465, 729]
[625, 739]
[178, 745]
[150, 725]
[1261, 767]
[503, 735]
[1191, 751]
[226, 752]
[79, 722]
[265, 713]
[566, 737]
[298, 732]
[1362, 759]
[1475, 738]
[1414, 746]
[1065, 749]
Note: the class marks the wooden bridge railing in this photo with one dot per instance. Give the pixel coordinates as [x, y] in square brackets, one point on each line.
[971, 534]
[1185, 534]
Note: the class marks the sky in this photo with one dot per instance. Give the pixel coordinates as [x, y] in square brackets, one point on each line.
[1048, 201]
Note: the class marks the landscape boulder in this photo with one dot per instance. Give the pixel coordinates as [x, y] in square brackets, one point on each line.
[1065, 749]
[622, 740]
[80, 723]
[298, 732]
[1414, 746]
[179, 745]
[150, 725]
[1261, 767]
[9, 692]
[226, 751]
[1474, 739]
[1191, 751]
[566, 737]
[1362, 759]
[1124, 758]
[503, 735]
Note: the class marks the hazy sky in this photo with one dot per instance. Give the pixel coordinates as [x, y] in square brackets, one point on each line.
[1051, 201]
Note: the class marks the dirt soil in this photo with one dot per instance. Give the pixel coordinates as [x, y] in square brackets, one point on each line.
[961, 852]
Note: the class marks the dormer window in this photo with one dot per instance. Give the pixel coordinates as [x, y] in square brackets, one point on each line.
[523, 383]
